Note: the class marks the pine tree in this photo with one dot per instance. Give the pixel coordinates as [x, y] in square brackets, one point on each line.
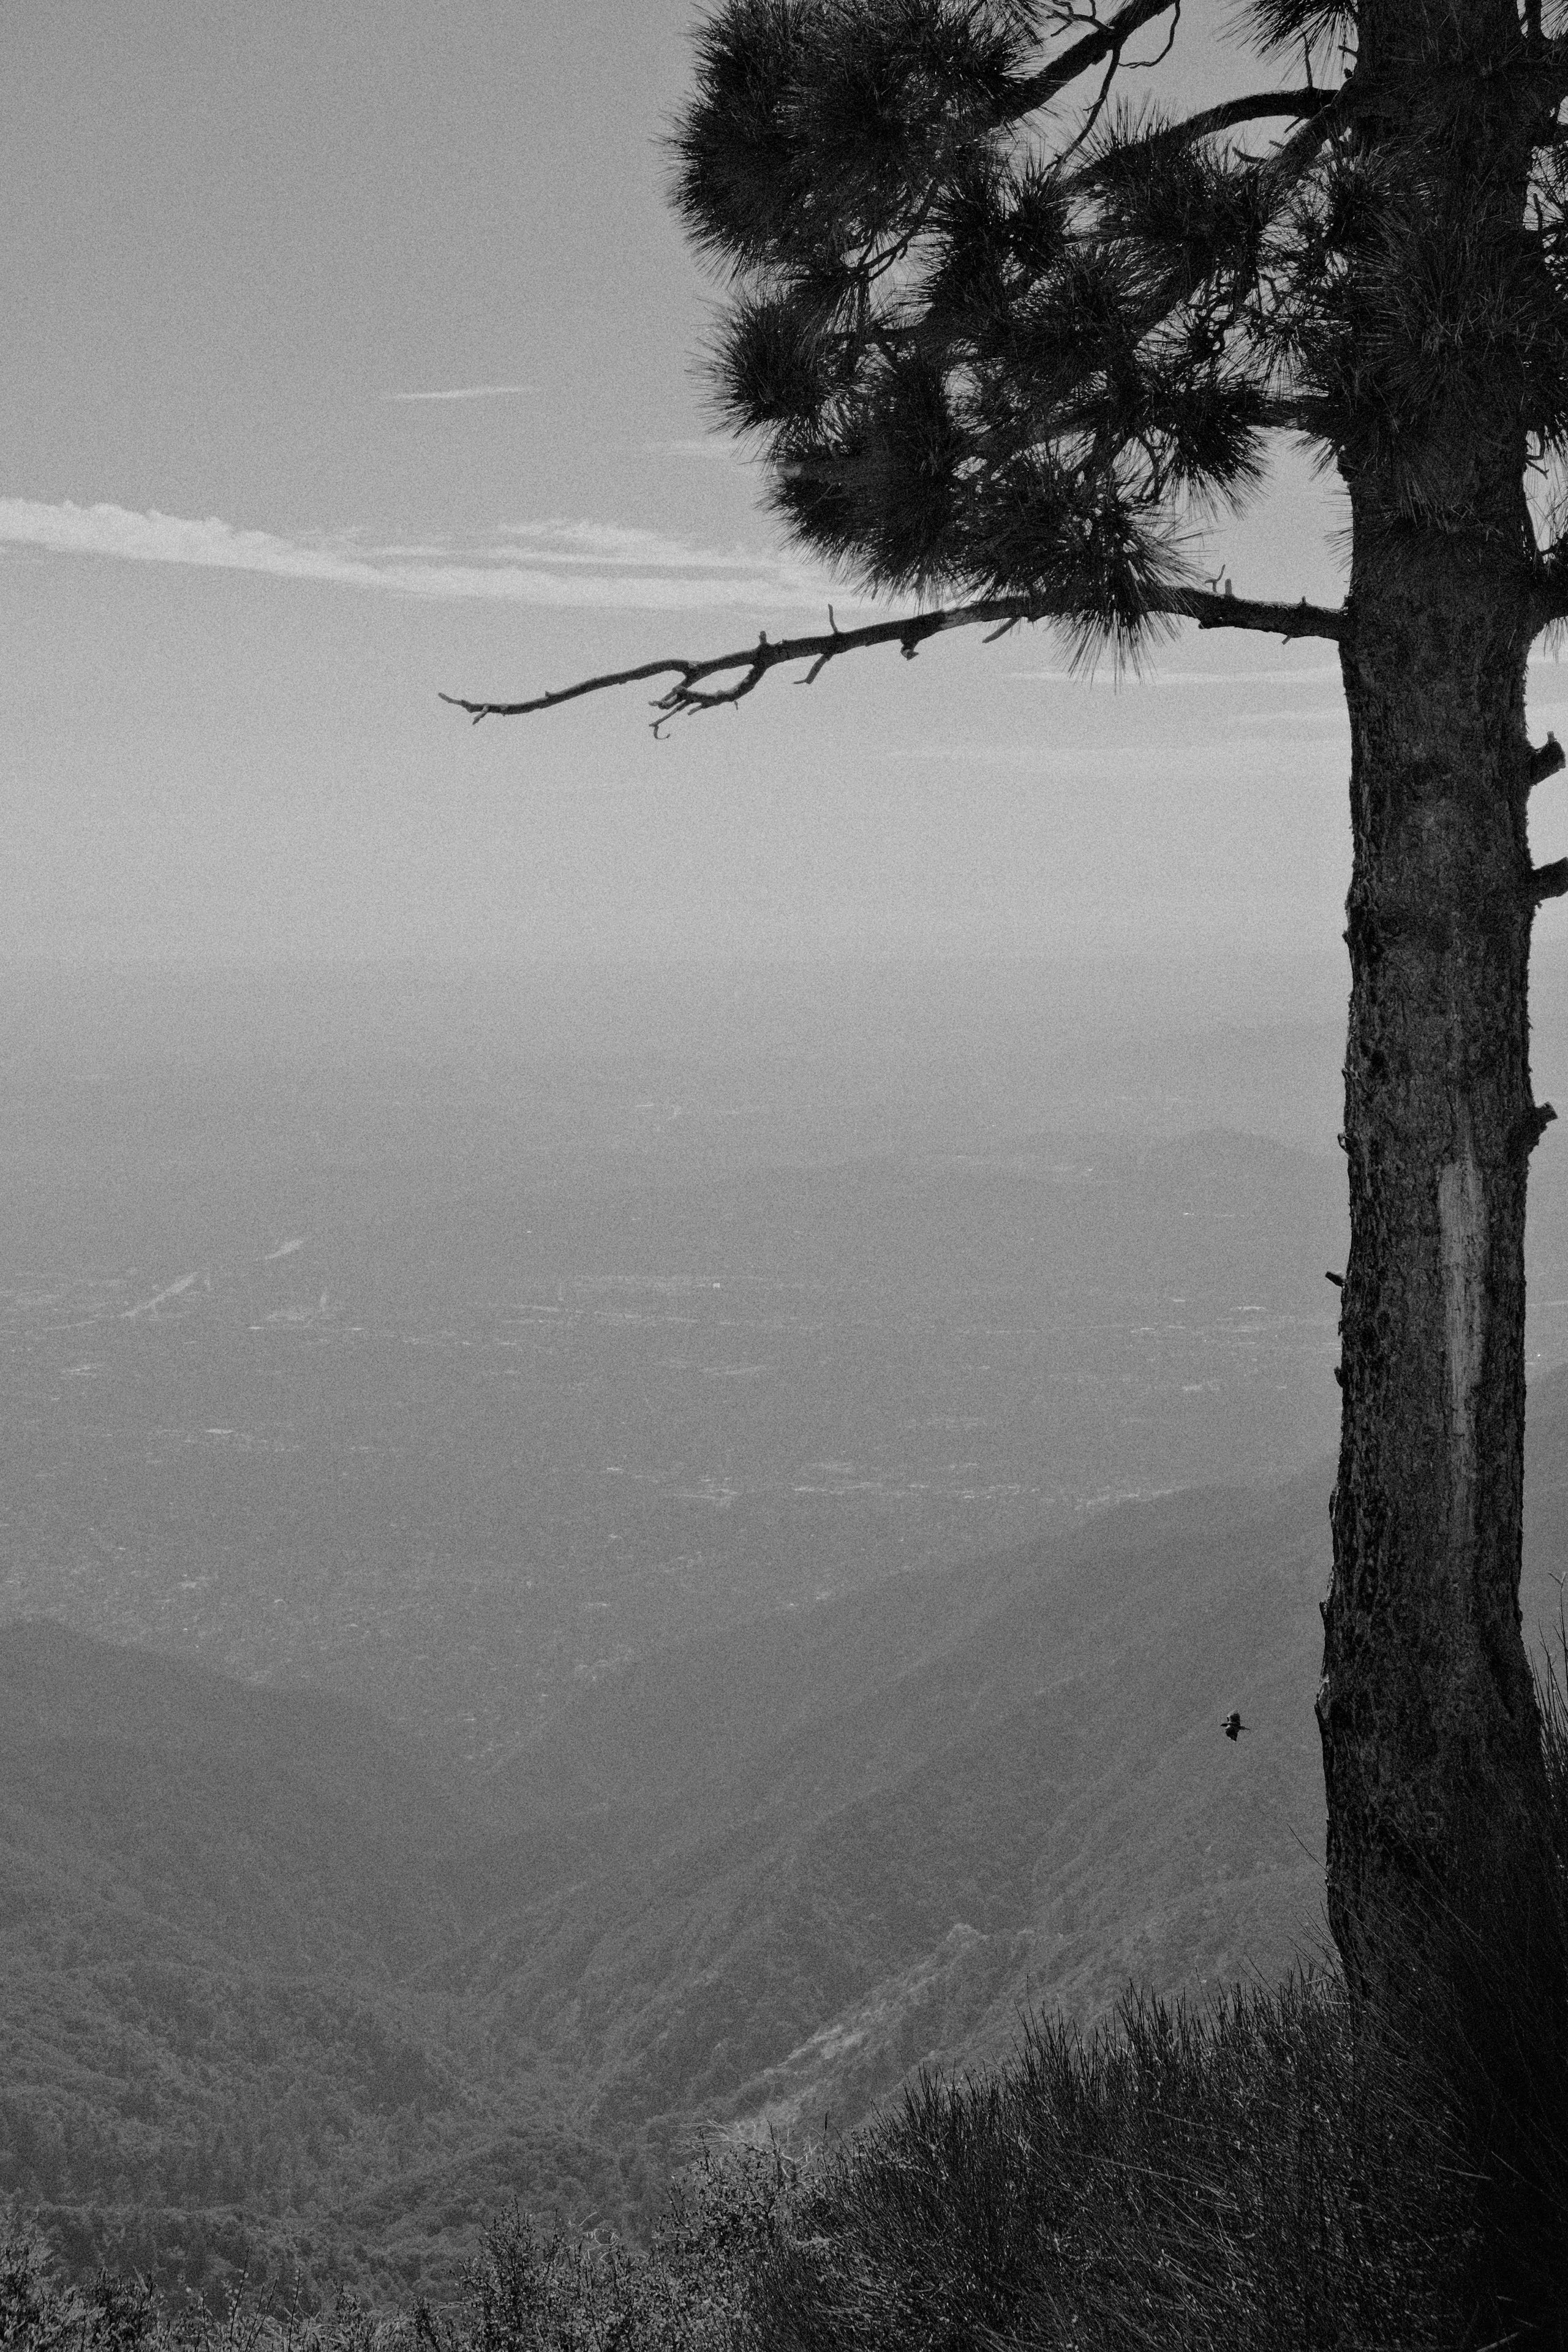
[1006, 341]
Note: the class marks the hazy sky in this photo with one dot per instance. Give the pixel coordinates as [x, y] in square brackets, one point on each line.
[349, 355]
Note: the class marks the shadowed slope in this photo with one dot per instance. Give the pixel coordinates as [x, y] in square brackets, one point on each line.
[758, 1877]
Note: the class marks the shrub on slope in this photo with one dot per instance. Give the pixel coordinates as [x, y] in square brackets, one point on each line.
[1246, 2178]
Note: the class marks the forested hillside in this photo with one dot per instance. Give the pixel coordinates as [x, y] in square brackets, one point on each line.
[277, 2002]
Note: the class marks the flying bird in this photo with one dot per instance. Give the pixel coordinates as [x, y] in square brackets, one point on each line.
[1233, 1726]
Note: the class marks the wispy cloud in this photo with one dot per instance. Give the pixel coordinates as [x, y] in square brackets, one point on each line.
[559, 541]
[467, 392]
[558, 562]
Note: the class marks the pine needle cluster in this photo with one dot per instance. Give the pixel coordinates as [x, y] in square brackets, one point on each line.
[998, 331]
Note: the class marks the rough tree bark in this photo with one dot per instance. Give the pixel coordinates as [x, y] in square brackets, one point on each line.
[1430, 1732]
[1428, 1705]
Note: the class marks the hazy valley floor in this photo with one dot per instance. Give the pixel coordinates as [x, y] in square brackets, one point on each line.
[547, 1610]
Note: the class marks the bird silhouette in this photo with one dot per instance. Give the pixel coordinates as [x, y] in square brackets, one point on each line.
[1233, 1726]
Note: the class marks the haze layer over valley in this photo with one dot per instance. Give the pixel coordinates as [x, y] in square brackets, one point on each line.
[742, 1496]
[439, 1338]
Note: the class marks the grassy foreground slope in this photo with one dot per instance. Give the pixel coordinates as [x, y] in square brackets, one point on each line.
[1256, 2177]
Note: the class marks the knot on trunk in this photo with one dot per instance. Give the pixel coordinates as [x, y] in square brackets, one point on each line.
[1544, 762]
[1527, 1132]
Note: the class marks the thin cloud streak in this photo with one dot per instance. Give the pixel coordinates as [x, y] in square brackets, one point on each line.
[544, 564]
[467, 392]
[558, 539]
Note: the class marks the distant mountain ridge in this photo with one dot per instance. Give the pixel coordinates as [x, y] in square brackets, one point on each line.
[272, 1996]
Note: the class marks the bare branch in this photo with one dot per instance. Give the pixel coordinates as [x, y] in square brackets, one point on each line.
[1087, 126]
[1292, 161]
[748, 667]
[1309, 415]
[1267, 106]
[1229, 612]
[1304, 107]
[1108, 40]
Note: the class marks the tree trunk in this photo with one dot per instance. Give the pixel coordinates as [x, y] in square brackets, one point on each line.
[1431, 1737]
[1428, 1712]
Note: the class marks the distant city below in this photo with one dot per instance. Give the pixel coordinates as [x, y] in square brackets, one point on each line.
[442, 1351]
